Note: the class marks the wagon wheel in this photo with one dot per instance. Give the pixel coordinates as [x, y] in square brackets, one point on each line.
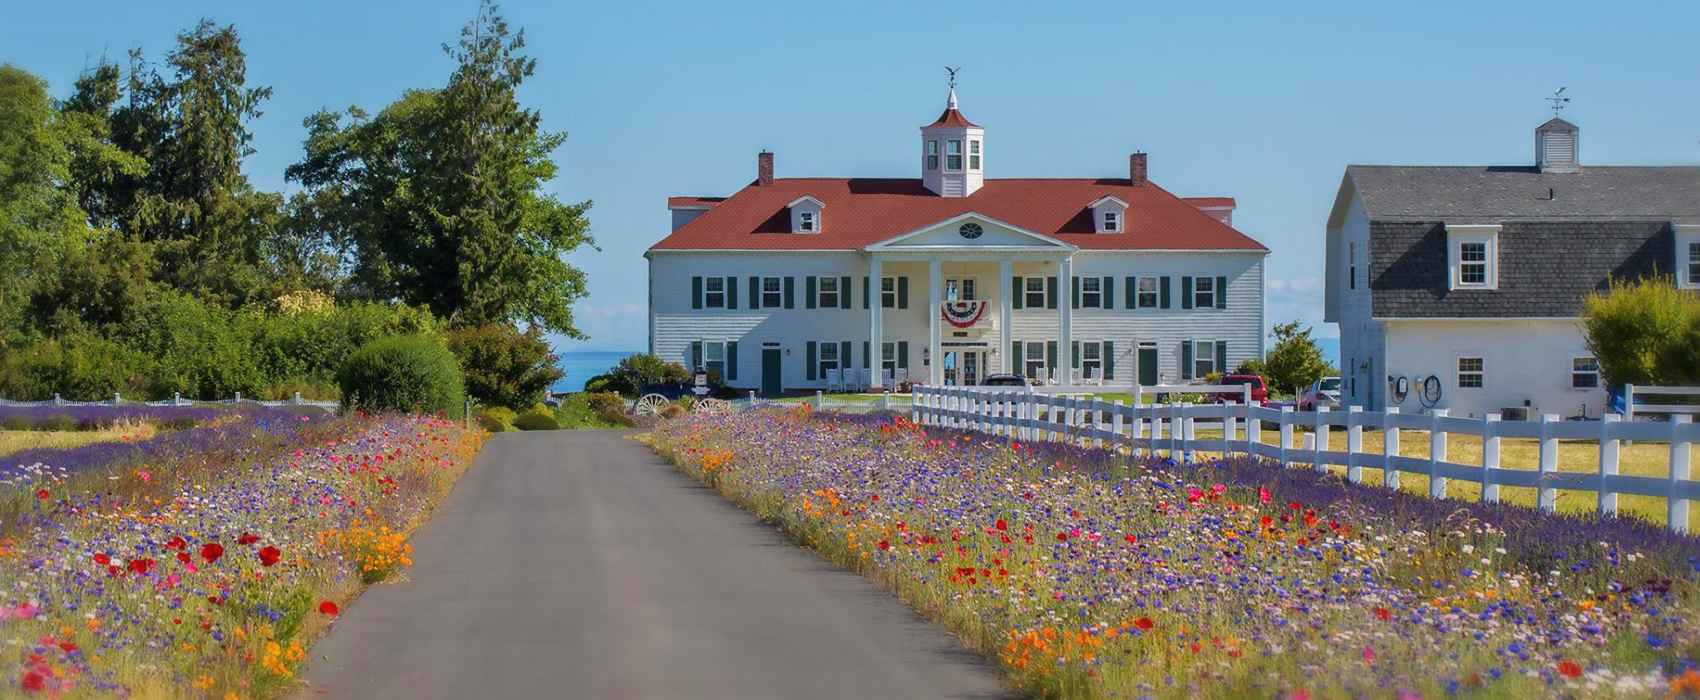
[650, 405]
[713, 407]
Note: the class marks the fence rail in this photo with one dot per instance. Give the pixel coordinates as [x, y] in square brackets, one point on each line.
[175, 400]
[1172, 428]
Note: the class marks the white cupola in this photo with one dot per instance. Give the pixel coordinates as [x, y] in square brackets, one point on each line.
[1556, 147]
[953, 153]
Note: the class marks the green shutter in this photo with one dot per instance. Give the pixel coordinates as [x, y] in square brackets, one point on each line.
[809, 358]
[867, 362]
[696, 292]
[865, 300]
[1109, 359]
[903, 354]
[696, 356]
[1162, 291]
[790, 286]
[1221, 357]
[844, 357]
[755, 292]
[731, 360]
[731, 292]
[1018, 365]
[1221, 292]
[1075, 352]
[809, 292]
[903, 294]
[1186, 359]
[1051, 354]
[1132, 299]
[1050, 292]
[1074, 294]
[1186, 292]
[1109, 287]
[844, 292]
[1020, 293]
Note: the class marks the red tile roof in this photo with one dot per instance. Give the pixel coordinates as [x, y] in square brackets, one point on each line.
[1202, 202]
[952, 117]
[863, 211]
[693, 202]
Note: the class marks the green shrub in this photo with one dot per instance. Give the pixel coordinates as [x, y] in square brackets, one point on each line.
[57, 421]
[673, 411]
[496, 419]
[1644, 332]
[503, 366]
[16, 422]
[403, 373]
[630, 375]
[78, 367]
[607, 403]
[537, 419]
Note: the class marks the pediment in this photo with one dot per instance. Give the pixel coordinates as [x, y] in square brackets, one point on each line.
[948, 234]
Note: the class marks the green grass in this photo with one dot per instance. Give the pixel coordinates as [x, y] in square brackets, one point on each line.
[15, 440]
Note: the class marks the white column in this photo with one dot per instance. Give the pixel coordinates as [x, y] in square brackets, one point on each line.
[1065, 346]
[935, 287]
[876, 299]
[1006, 270]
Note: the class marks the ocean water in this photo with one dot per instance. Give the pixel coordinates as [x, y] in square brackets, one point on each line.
[581, 365]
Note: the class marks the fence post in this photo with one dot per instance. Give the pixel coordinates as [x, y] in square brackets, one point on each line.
[1490, 457]
[1116, 420]
[298, 398]
[465, 412]
[1253, 431]
[117, 398]
[1676, 507]
[1389, 447]
[1323, 433]
[1186, 432]
[1549, 463]
[820, 399]
[1629, 402]
[1286, 435]
[177, 398]
[1354, 443]
[1608, 464]
[1436, 454]
[238, 398]
[1229, 429]
[57, 400]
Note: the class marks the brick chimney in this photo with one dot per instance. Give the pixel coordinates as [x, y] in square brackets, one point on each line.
[1136, 169]
[764, 169]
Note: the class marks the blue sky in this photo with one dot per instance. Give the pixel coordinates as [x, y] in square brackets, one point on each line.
[1265, 102]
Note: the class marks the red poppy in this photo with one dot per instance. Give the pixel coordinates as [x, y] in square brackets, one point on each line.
[1383, 613]
[247, 538]
[1062, 537]
[1002, 525]
[1131, 539]
[177, 543]
[1294, 505]
[1569, 669]
[269, 556]
[33, 682]
[42, 494]
[884, 545]
[141, 566]
[1144, 623]
[183, 557]
[67, 647]
[329, 608]
[1263, 494]
[211, 551]
[102, 559]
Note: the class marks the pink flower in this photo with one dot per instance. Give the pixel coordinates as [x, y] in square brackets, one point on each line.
[1263, 494]
[1369, 654]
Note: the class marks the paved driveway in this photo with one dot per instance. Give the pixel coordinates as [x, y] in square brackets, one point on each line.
[577, 564]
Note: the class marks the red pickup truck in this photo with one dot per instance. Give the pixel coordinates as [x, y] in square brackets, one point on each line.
[1259, 390]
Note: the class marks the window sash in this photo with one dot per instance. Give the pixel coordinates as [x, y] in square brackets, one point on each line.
[828, 359]
[826, 295]
[888, 357]
[714, 359]
[714, 292]
[1472, 263]
[1472, 372]
[1584, 373]
[1204, 293]
[807, 221]
[953, 162]
[1203, 358]
[888, 292]
[770, 294]
[1147, 293]
[1035, 292]
[1694, 263]
[1110, 221]
[973, 162]
[1035, 360]
[1091, 292]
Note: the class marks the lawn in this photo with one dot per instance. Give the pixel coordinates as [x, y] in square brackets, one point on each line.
[1086, 573]
[201, 562]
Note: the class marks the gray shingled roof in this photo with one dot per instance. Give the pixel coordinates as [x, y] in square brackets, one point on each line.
[1475, 194]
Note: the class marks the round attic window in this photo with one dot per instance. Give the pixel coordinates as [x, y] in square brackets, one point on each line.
[970, 231]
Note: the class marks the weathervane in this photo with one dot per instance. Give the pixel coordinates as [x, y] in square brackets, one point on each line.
[1558, 99]
[953, 75]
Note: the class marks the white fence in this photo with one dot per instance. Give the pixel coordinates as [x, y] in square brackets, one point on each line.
[175, 400]
[1630, 408]
[1171, 427]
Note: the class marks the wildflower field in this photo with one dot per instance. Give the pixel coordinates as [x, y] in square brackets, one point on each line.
[1088, 573]
[201, 562]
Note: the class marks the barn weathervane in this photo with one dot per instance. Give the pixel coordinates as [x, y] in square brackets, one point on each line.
[952, 75]
[1558, 99]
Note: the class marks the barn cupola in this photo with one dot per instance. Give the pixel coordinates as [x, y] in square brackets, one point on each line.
[1556, 147]
[953, 152]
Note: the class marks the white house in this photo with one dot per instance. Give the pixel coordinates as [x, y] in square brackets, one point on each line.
[1459, 288]
[952, 276]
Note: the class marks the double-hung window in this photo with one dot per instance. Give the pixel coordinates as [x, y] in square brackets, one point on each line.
[959, 289]
[1035, 360]
[829, 360]
[1472, 264]
[1204, 358]
[1148, 292]
[1204, 293]
[1092, 360]
[932, 154]
[953, 155]
[1035, 292]
[1473, 252]
[714, 359]
[770, 295]
[1472, 373]
[1112, 222]
[1584, 373]
[888, 292]
[974, 154]
[806, 222]
[1693, 266]
[1091, 292]
[828, 293]
[714, 292]
[888, 358]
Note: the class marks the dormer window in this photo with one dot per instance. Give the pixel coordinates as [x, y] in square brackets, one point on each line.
[1112, 221]
[1473, 256]
[1107, 213]
[932, 154]
[806, 214]
[1687, 256]
[806, 222]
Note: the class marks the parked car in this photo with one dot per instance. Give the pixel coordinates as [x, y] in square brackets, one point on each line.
[1006, 381]
[1324, 392]
[1259, 390]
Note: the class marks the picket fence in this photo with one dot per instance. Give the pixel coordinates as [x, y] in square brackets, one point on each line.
[175, 400]
[1171, 428]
